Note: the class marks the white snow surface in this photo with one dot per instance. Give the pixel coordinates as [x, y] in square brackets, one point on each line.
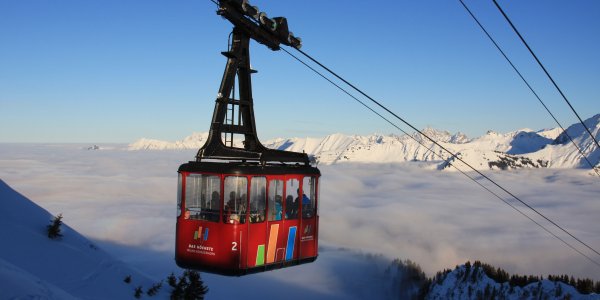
[33, 266]
[537, 146]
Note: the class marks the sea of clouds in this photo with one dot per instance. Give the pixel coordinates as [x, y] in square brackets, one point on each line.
[125, 201]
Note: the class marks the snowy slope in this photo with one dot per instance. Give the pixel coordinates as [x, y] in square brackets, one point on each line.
[562, 154]
[494, 160]
[35, 267]
[16, 283]
[550, 133]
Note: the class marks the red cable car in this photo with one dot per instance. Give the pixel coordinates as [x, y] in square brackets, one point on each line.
[249, 209]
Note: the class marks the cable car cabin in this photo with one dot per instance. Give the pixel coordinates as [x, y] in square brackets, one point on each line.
[240, 218]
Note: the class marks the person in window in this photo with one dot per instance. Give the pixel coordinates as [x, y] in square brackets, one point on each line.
[278, 208]
[214, 200]
[241, 208]
[260, 205]
[231, 203]
[214, 207]
[305, 199]
[306, 207]
[291, 207]
[231, 215]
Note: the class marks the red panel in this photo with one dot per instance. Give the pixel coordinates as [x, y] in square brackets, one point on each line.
[308, 238]
[208, 244]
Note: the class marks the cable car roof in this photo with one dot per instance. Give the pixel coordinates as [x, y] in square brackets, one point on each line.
[246, 168]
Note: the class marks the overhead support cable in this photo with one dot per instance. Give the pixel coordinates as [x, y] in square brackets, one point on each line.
[273, 33]
[546, 71]
[581, 152]
[450, 152]
[441, 157]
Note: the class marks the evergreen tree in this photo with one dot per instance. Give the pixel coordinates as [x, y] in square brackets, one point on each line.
[189, 286]
[196, 288]
[474, 273]
[154, 289]
[138, 292]
[54, 228]
[172, 280]
[585, 286]
[178, 291]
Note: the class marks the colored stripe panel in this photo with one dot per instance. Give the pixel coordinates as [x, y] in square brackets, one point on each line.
[274, 231]
[260, 255]
[206, 233]
[289, 251]
[198, 233]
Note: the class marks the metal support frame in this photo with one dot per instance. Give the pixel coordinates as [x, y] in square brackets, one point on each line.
[238, 64]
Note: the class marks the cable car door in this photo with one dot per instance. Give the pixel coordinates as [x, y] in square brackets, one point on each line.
[274, 250]
[235, 189]
[291, 218]
[309, 223]
[257, 223]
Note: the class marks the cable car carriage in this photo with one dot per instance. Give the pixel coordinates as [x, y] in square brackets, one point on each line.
[245, 209]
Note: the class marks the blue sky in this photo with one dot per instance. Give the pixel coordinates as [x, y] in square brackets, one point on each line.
[116, 71]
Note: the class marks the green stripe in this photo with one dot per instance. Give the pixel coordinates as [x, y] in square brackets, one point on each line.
[260, 255]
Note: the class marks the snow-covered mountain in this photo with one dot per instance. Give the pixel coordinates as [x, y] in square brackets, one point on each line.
[33, 266]
[194, 141]
[524, 148]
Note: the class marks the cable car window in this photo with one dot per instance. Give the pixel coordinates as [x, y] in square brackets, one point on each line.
[291, 199]
[318, 207]
[258, 199]
[202, 197]
[236, 188]
[179, 187]
[308, 197]
[275, 199]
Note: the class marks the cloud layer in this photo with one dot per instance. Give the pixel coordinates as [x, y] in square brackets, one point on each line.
[435, 218]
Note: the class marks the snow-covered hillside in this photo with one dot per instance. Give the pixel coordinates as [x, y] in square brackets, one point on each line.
[519, 149]
[472, 282]
[33, 266]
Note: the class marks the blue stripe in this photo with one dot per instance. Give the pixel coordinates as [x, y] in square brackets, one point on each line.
[289, 251]
[206, 234]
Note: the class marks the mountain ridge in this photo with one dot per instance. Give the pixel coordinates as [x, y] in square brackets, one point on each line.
[545, 148]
